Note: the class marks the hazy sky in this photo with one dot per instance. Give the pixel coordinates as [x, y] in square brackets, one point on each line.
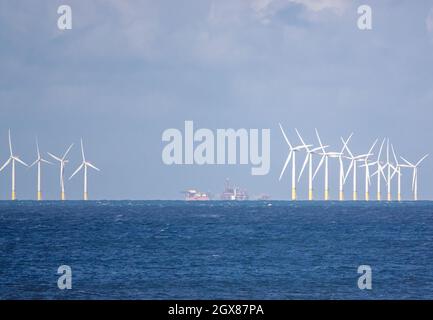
[130, 69]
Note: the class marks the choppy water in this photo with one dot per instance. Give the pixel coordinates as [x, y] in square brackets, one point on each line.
[216, 250]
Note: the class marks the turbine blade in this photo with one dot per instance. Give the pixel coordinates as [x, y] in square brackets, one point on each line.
[92, 166]
[21, 161]
[7, 162]
[36, 161]
[320, 141]
[303, 166]
[67, 151]
[422, 159]
[45, 161]
[10, 143]
[394, 172]
[300, 138]
[289, 156]
[352, 162]
[37, 148]
[318, 166]
[380, 150]
[372, 147]
[285, 137]
[53, 156]
[393, 153]
[82, 150]
[387, 150]
[383, 174]
[345, 146]
[76, 171]
[410, 164]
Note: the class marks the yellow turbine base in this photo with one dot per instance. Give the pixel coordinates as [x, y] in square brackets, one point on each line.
[39, 196]
[367, 197]
[389, 196]
[310, 194]
[86, 197]
[378, 196]
[14, 195]
[341, 196]
[355, 196]
[326, 195]
[399, 197]
[293, 194]
[62, 196]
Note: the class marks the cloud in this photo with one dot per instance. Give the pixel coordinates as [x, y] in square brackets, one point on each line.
[429, 21]
[337, 6]
[265, 9]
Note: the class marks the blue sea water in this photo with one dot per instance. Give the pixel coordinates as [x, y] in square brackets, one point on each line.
[216, 250]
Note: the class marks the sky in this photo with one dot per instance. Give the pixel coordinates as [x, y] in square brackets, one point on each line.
[128, 70]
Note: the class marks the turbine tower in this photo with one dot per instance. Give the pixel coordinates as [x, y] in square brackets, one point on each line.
[415, 175]
[291, 156]
[84, 165]
[309, 160]
[39, 161]
[12, 159]
[325, 158]
[63, 162]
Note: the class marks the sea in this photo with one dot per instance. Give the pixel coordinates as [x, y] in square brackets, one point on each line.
[216, 249]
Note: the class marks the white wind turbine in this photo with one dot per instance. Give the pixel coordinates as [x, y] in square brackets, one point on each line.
[291, 156]
[415, 175]
[341, 174]
[389, 166]
[353, 165]
[379, 171]
[325, 159]
[309, 160]
[39, 161]
[84, 165]
[63, 162]
[367, 165]
[12, 158]
[397, 170]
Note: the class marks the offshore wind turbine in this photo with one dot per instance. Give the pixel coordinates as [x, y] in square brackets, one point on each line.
[379, 171]
[367, 171]
[397, 170]
[309, 160]
[388, 167]
[84, 165]
[353, 165]
[63, 162]
[291, 156]
[415, 175]
[325, 159]
[12, 159]
[39, 161]
[341, 174]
